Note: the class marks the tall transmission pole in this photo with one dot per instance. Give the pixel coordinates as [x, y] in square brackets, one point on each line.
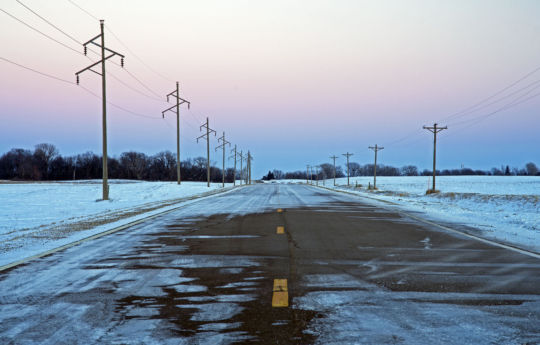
[376, 149]
[434, 130]
[207, 136]
[307, 174]
[249, 159]
[241, 167]
[317, 174]
[179, 101]
[348, 174]
[112, 53]
[334, 158]
[223, 145]
[235, 160]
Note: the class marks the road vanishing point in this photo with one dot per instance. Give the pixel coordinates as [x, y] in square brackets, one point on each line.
[276, 264]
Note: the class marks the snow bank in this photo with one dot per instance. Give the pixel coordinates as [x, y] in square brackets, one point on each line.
[36, 217]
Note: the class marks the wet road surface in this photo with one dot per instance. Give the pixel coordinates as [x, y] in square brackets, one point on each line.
[355, 273]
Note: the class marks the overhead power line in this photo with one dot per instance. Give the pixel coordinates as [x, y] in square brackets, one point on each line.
[40, 32]
[84, 88]
[48, 22]
[474, 106]
[155, 98]
[138, 58]
[82, 9]
[129, 50]
[38, 72]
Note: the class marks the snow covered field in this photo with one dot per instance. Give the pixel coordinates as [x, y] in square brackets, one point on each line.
[36, 217]
[504, 208]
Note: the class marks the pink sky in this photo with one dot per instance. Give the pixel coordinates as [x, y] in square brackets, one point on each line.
[294, 81]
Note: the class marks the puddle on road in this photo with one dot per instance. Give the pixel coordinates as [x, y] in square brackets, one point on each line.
[180, 290]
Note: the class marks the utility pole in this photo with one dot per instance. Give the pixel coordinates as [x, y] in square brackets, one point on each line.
[334, 158]
[241, 167]
[434, 130]
[307, 174]
[317, 175]
[103, 96]
[348, 155]
[249, 159]
[207, 136]
[376, 149]
[223, 144]
[235, 160]
[179, 101]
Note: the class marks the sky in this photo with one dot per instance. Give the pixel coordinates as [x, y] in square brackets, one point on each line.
[294, 82]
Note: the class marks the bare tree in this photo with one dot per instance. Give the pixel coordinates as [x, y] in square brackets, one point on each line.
[531, 168]
[43, 155]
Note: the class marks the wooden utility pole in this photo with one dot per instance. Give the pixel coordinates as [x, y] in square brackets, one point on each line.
[103, 96]
[307, 174]
[249, 159]
[317, 175]
[179, 101]
[207, 136]
[348, 174]
[223, 144]
[434, 130]
[376, 149]
[241, 167]
[334, 158]
[235, 159]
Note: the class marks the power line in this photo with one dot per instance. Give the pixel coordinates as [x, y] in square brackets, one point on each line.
[48, 22]
[80, 86]
[38, 72]
[140, 82]
[78, 52]
[137, 57]
[125, 46]
[118, 106]
[134, 89]
[470, 108]
[82, 9]
[505, 97]
[40, 32]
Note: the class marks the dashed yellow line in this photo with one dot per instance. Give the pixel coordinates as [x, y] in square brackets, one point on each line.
[279, 210]
[280, 296]
[280, 230]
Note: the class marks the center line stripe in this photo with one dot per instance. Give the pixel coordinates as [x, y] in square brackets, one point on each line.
[280, 296]
[280, 230]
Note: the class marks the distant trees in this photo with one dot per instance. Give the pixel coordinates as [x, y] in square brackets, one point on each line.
[531, 168]
[409, 170]
[45, 163]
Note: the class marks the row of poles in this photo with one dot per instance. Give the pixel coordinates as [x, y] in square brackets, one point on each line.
[434, 129]
[106, 54]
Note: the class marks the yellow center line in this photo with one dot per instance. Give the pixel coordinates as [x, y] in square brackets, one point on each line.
[279, 210]
[280, 296]
[280, 230]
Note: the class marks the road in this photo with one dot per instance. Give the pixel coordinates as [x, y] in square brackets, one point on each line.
[275, 264]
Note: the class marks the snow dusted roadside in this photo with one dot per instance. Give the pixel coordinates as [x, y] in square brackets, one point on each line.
[36, 217]
[504, 208]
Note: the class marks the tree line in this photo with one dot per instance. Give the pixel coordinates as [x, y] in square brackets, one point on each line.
[326, 170]
[45, 163]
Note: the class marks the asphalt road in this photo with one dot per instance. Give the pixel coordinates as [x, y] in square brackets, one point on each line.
[329, 268]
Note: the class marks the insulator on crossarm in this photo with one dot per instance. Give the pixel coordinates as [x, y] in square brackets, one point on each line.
[77, 79]
[122, 62]
[188, 105]
[85, 50]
